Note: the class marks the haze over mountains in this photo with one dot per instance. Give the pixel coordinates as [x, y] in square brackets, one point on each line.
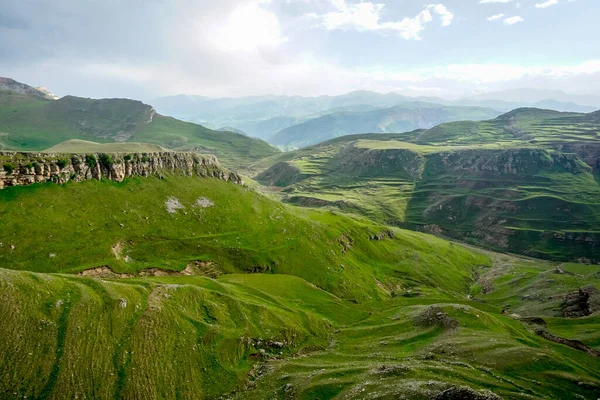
[295, 121]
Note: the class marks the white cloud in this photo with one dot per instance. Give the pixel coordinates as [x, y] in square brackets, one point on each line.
[494, 1]
[495, 17]
[513, 20]
[366, 17]
[250, 27]
[547, 3]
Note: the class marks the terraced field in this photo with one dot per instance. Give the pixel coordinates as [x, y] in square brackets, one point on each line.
[520, 182]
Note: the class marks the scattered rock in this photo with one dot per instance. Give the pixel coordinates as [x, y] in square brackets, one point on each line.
[384, 234]
[581, 303]
[346, 242]
[204, 202]
[466, 393]
[173, 204]
[435, 316]
[392, 370]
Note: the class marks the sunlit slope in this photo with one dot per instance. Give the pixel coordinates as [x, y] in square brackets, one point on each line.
[169, 223]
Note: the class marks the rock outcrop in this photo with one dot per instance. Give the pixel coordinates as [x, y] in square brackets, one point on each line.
[581, 303]
[20, 168]
[8, 84]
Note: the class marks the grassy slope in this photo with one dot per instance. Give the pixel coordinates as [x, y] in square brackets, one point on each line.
[243, 231]
[194, 337]
[82, 146]
[388, 356]
[32, 123]
[378, 176]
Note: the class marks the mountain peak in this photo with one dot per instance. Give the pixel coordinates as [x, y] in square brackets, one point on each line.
[9, 84]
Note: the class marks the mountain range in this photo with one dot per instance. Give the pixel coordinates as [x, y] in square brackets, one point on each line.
[289, 121]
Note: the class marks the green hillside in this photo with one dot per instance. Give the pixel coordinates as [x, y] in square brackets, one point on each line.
[271, 301]
[525, 182]
[83, 146]
[30, 122]
[131, 229]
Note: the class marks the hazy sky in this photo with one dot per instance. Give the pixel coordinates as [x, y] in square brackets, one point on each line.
[147, 48]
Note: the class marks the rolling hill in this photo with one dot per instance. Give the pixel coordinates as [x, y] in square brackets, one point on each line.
[232, 294]
[32, 122]
[526, 181]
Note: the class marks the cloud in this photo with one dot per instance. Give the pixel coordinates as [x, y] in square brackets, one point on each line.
[206, 47]
[495, 17]
[366, 16]
[512, 20]
[250, 27]
[494, 1]
[547, 3]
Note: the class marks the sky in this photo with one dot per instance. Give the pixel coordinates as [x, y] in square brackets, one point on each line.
[228, 48]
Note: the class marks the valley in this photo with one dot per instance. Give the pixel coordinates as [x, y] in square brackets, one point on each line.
[146, 257]
[524, 182]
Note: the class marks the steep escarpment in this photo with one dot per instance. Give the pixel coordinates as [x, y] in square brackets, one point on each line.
[513, 162]
[535, 201]
[359, 161]
[17, 169]
[530, 201]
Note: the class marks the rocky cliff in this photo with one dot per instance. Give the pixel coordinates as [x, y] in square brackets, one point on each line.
[20, 168]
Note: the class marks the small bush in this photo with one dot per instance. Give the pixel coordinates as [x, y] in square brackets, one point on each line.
[90, 160]
[9, 168]
[145, 159]
[63, 162]
[29, 166]
[128, 157]
[106, 160]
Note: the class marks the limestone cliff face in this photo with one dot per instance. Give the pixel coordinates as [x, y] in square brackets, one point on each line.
[504, 162]
[27, 168]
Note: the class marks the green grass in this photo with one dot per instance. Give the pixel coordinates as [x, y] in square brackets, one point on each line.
[525, 182]
[33, 124]
[242, 232]
[84, 146]
[347, 310]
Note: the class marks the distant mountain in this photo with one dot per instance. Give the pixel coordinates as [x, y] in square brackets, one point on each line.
[530, 96]
[231, 129]
[402, 118]
[10, 85]
[265, 116]
[31, 121]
